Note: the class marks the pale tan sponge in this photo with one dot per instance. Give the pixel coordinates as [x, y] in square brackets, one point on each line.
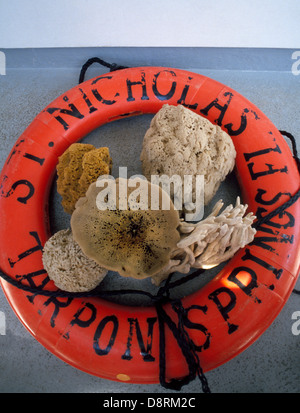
[67, 266]
[79, 166]
[136, 241]
[181, 142]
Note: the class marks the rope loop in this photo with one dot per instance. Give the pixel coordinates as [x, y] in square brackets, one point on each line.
[92, 60]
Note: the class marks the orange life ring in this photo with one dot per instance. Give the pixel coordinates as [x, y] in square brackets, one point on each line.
[224, 317]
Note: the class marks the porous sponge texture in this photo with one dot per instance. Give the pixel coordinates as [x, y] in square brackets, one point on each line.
[67, 266]
[134, 242]
[79, 166]
[181, 142]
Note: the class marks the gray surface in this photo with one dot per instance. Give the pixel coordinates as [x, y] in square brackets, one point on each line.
[272, 363]
[215, 58]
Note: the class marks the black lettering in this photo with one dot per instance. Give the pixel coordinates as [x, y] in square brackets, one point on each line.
[30, 278]
[275, 236]
[197, 326]
[269, 171]
[287, 224]
[246, 288]
[170, 93]
[290, 223]
[240, 129]
[249, 256]
[34, 158]
[86, 322]
[260, 200]
[14, 151]
[145, 350]
[4, 179]
[130, 84]
[222, 109]
[250, 155]
[262, 242]
[22, 199]
[88, 102]
[72, 111]
[37, 247]
[182, 99]
[97, 94]
[57, 306]
[106, 320]
[225, 309]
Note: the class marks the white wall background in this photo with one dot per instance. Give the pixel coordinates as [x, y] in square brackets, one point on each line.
[186, 23]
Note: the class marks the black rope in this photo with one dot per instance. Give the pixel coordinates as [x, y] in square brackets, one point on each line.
[112, 66]
[163, 295]
[160, 299]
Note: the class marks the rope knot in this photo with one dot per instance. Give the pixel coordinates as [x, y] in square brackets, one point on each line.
[181, 336]
[111, 66]
[115, 66]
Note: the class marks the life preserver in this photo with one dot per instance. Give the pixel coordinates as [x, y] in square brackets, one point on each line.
[224, 317]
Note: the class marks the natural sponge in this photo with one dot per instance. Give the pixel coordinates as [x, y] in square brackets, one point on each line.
[181, 142]
[79, 166]
[68, 267]
[132, 239]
